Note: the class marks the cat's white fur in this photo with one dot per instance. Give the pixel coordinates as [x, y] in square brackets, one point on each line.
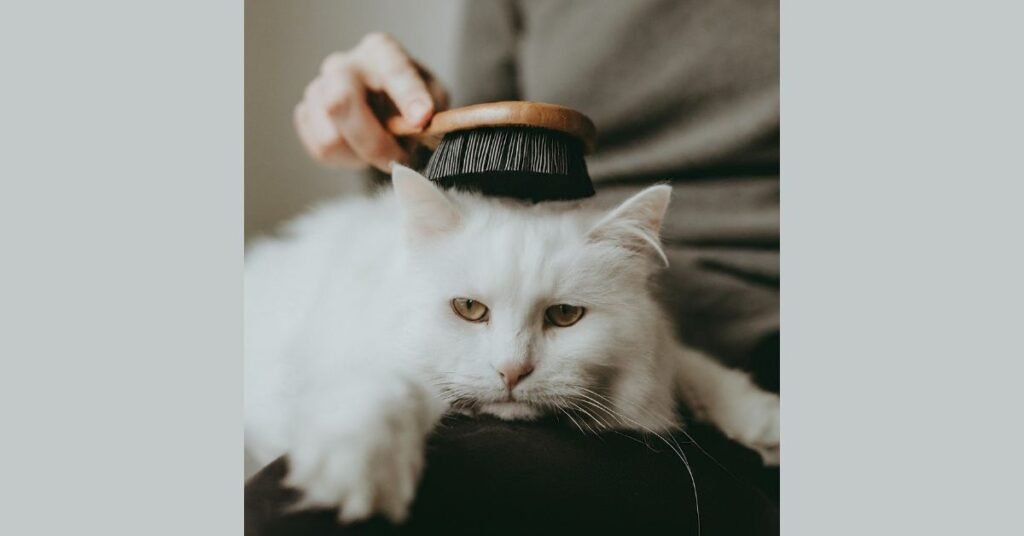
[353, 352]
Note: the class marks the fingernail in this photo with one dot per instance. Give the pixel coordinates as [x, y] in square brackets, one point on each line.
[418, 111]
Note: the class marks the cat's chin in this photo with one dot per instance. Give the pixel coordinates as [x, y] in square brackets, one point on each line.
[510, 411]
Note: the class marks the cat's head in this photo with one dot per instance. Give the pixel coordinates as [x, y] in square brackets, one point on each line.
[522, 310]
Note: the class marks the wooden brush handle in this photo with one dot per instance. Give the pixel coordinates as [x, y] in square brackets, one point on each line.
[497, 114]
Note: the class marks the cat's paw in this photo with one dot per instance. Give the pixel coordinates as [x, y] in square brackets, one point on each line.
[371, 472]
[365, 464]
[762, 434]
[752, 419]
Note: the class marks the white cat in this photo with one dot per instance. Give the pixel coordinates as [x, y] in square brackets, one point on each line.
[375, 316]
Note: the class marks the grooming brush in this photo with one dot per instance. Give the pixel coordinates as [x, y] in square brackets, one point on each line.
[525, 150]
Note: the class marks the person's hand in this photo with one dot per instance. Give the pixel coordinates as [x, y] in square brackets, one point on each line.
[336, 120]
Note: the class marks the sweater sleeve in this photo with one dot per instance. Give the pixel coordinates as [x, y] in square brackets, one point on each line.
[488, 46]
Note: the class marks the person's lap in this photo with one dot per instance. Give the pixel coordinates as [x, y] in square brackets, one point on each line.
[488, 476]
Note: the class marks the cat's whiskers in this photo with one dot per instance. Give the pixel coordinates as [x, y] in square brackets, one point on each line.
[671, 426]
[575, 407]
[673, 445]
[569, 415]
[456, 395]
[668, 423]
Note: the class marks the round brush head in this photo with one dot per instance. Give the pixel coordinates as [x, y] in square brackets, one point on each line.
[529, 163]
[525, 150]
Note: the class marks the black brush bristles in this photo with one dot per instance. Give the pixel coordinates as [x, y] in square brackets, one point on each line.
[529, 163]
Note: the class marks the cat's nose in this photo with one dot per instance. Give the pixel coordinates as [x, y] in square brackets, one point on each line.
[513, 373]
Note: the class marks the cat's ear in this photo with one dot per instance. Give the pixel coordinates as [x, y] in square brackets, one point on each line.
[425, 209]
[636, 223]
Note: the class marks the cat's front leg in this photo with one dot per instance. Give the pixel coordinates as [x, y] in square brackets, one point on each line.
[731, 401]
[359, 445]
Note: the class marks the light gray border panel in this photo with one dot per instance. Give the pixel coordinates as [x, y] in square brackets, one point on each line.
[120, 278]
[902, 267]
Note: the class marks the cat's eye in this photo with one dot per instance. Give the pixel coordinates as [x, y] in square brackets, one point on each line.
[470, 309]
[563, 315]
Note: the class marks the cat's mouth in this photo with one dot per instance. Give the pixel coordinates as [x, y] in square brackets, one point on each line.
[510, 410]
[505, 406]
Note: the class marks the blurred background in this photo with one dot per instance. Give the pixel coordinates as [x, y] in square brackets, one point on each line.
[284, 45]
